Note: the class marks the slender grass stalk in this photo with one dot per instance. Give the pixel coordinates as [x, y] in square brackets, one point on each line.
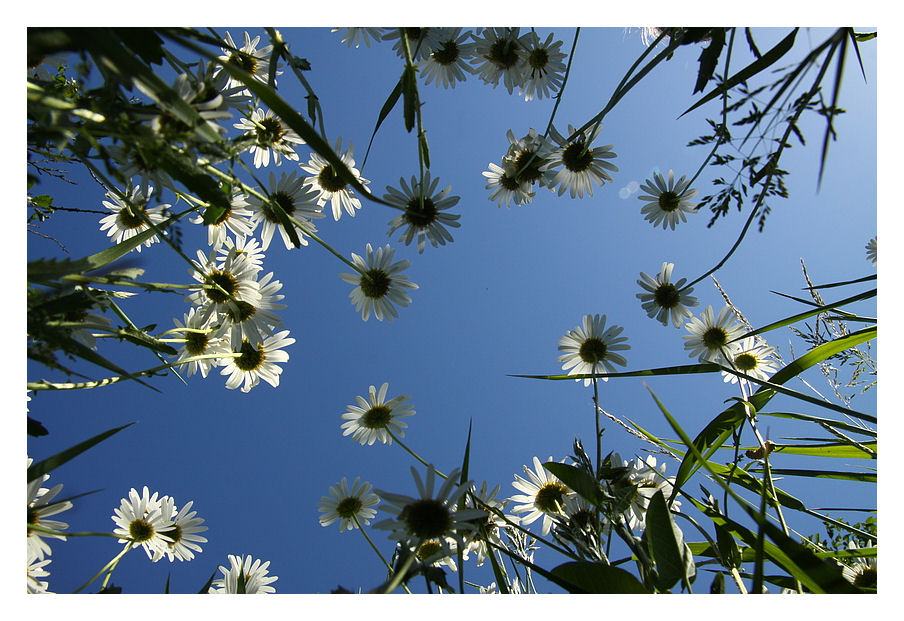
[109, 566]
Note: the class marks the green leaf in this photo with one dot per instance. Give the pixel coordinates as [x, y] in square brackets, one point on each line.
[388, 106]
[819, 309]
[728, 547]
[665, 542]
[186, 171]
[577, 480]
[46, 465]
[35, 428]
[865, 477]
[206, 587]
[743, 478]
[709, 58]
[589, 577]
[765, 61]
[837, 424]
[409, 93]
[145, 340]
[840, 450]
[707, 367]
[843, 283]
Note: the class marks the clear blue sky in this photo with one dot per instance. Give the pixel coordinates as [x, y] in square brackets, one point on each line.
[493, 303]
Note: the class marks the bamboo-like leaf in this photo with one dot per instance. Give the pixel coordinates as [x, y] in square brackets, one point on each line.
[863, 477]
[388, 106]
[46, 465]
[837, 424]
[763, 62]
[706, 367]
[843, 283]
[587, 577]
[409, 94]
[819, 309]
[840, 450]
[830, 113]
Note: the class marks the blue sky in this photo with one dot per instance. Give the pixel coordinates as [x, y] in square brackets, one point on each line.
[491, 304]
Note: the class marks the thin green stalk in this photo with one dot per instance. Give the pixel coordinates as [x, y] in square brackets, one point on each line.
[413, 454]
[375, 549]
[111, 566]
[399, 575]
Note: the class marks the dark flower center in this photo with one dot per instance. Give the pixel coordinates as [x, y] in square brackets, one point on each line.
[329, 180]
[226, 281]
[866, 578]
[32, 516]
[531, 166]
[447, 53]
[251, 357]
[349, 507]
[714, 338]
[223, 217]
[132, 217]
[583, 518]
[503, 53]
[376, 284]
[377, 417]
[550, 497]
[426, 518]
[428, 549]
[195, 342]
[246, 61]
[141, 530]
[667, 296]
[745, 362]
[284, 200]
[241, 311]
[418, 216]
[669, 201]
[509, 183]
[175, 534]
[576, 158]
[538, 59]
[592, 350]
[269, 132]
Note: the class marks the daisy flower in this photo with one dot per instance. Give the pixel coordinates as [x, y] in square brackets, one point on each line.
[330, 186]
[499, 53]
[34, 571]
[255, 322]
[430, 515]
[543, 495]
[130, 215]
[666, 301]
[356, 36]
[382, 284]
[201, 338]
[448, 62]
[142, 520]
[374, 418]
[184, 534]
[709, 336]
[580, 513]
[545, 67]
[591, 347]
[40, 504]
[214, 89]
[270, 135]
[490, 525]
[223, 285]
[872, 251]
[667, 202]
[575, 166]
[752, 357]
[527, 157]
[351, 507]
[143, 164]
[246, 248]
[256, 580]
[299, 201]
[89, 322]
[172, 129]
[506, 187]
[421, 41]
[253, 61]
[862, 571]
[648, 478]
[422, 214]
[236, 219]
[257, 361]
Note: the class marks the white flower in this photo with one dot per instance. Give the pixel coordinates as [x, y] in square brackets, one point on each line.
[255, 322]
[170, 128]
[355, 36]
[499, 53]
[299, 201]
[130, 215]
[382, 285]
[576, 166]
[142, 520]
[421, 41]
[422, 213]
[40, 504]
[248, 249]
[506, 187]
[429, 517]
[257, 361]
[665, 301]
[543, 495]
[223, 285]
[752, 357]
[490, 525]
[591, 347]
[144, 164]
[184, 534]
[351, 507]
[528, 158]
[709, 336]
[872, 251]
[448, 62]
[34, 571]
[667, 203]
[374, 418]
[253, 61]
[201, 338]
[254, 573]
[544, 67]
[861, 571]
[236, 219]
[270, 134]
[648, 479]
[330, 186]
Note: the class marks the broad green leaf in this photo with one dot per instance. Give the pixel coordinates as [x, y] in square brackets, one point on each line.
[765, 61]
[576, 479]
[46, 465]
[590, 577]
[837, 450]
[665, 542]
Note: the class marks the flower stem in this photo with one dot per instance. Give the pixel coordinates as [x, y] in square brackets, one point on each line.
[109, 566]
[415, 455]
[374, 548]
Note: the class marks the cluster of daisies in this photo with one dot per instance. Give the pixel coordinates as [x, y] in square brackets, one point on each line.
[150, 521]
[445, 518]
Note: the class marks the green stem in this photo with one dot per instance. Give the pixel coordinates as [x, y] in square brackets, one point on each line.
[413, 454]
[375, 549]
[111, 566]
